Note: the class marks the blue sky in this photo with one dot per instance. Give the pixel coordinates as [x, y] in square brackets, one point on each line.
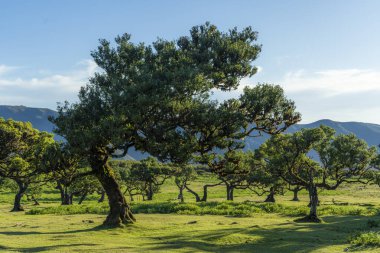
[324, 53]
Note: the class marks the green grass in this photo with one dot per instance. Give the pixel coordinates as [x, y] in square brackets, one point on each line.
[351, 222]
[177, 233]
[235, 209]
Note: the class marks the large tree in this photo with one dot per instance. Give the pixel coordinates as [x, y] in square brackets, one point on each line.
[21, 150]
[157, 98]
[317, 159]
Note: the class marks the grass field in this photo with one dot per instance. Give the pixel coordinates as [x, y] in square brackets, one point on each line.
[263, 229]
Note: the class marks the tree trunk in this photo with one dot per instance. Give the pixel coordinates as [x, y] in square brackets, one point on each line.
[205, 193]
[149, 192]
[120, 212]
[101, 199]
[180, 195]
[82, 198]
[36, 203]
[295, 194]
[17, 203]
[270, 197]
[205, 190]
[131, 197]
[62, 192]
[313, 216]
[197, 198]
[230, 192]
[67, 198]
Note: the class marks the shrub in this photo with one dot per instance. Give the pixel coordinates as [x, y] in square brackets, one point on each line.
[365, 239]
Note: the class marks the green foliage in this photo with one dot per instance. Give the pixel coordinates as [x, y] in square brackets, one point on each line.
[142, 177]
[21, 150]
[362, 240]
[343, 158]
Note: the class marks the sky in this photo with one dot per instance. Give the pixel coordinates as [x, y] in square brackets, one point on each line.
[325, 54]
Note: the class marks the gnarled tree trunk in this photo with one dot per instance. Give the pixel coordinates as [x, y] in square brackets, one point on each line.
[270, 197]
[313, 216]
[197, 198]
[17, 203]
[120, 212]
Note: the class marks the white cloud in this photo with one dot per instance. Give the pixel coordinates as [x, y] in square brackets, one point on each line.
[337, 94]
[45, 89]
[332, 82]
[341, 95]
[6, 69]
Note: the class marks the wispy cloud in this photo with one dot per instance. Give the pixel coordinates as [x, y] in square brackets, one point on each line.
[337, 94]
[332, 82]
[6, 69]
[44, 90]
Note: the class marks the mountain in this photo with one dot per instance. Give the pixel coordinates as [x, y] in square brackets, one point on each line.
[39, 118]
[366, 131]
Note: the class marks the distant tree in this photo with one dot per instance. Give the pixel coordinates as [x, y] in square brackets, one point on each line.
[295, 189]
[84, 186]
[66, 168]
[186, 174]
[34, 192]
[126, 180]
[183, 174]
[151, 174]
[343, 159]
[21, 150]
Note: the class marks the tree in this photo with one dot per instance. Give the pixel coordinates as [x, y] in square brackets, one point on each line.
[183, 174]
[342, 159]
[21, 150]
[66, 168]
[295, 189]
[151, 174]
[233, 170]
[157, 98]
[186, 174]
[127, 181]
[84, 186]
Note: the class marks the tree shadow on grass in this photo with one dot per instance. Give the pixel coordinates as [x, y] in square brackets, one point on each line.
[47, 248]
[297, 237]
[91, 229]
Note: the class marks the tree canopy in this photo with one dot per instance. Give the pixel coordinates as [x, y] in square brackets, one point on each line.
[317, 159]
[157, 98]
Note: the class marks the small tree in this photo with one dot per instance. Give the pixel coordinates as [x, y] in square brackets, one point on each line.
[66, 168]
[343, 158]
[182, 177]
[190, 173]
[84, 186]
[127, 181]
[151, 174]
[295, 189]
[21, 151]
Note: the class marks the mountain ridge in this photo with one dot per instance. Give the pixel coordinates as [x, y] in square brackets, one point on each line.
[369, 132]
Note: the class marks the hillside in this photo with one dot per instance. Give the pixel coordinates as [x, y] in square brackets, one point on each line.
[39, 118]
